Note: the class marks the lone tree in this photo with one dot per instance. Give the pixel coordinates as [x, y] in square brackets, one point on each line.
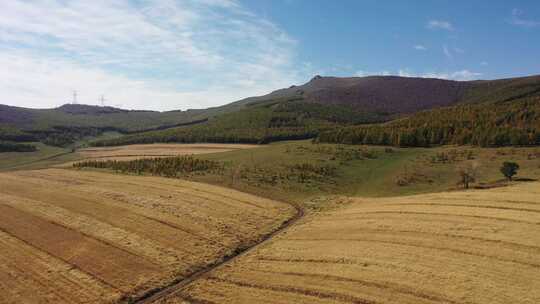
[509, 169]
[468, 175]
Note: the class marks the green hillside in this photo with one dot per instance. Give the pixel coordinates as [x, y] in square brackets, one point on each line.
[425, 112]
[69, 123]
[259, 122]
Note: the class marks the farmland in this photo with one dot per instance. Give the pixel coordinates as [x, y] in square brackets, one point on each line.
[478, 246]
[87, 237]
[94, 235]
[47, 156]
[155, 150]
[300, 171]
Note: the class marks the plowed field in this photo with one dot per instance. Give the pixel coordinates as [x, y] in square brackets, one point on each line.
[479, 246]
[71, 236]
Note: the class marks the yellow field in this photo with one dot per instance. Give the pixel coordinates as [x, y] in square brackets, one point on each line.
[479, 246]
[156, 150]
[71, 236]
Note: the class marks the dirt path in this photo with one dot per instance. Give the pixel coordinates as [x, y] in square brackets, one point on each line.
[176, 287]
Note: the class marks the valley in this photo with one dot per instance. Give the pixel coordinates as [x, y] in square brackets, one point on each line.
[269, 152]
[303, 195]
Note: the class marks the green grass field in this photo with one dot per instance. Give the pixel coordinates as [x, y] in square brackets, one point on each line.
[377, 175]
[300, 171]
[44, 157]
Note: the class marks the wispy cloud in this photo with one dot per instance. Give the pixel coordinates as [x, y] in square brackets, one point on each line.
[484, 63]
[160, 54]
[447, 52]
[420, 47]
[518, 19]
[440, 25]
[459, 50]
[458, 75]
[461, 75]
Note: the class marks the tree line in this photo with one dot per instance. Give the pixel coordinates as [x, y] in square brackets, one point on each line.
[16, 147]
[160, 166]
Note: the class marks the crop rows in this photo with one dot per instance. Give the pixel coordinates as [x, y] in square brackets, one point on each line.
[455, 247]
[87, 237]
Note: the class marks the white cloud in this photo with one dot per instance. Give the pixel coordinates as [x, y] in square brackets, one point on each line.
[30, 82]
[361, 73]
[157, 54]
[484, 63]
[440, 24]
[518, 19]
[458, 75]
[447, 52]
[405, 73]
[420, 47]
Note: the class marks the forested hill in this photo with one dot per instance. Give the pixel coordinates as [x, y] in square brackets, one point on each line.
[259, 122]
[512, 122]
[68, 123]
[476, 116]
[324, 104]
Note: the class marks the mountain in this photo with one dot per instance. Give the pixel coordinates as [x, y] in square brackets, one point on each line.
[384, 94]
[330, 106]
[403, 95]
[322, 104]
[70, 122]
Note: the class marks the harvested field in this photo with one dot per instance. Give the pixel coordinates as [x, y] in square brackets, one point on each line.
[480, 246]
[156, 150]
[87, 237]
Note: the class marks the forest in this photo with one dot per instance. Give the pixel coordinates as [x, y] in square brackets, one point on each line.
[165, 166]
[507, 123]
[259, 123]
[16, 147]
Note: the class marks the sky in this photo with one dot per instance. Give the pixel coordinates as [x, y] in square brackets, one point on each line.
[181, 54]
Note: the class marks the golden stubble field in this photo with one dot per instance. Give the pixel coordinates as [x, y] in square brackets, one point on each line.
[70, 236]
[158, 150]
[480, 246]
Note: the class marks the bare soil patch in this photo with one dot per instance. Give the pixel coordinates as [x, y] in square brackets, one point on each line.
[156, 150]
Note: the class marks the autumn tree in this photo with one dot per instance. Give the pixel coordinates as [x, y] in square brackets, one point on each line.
[468, 175]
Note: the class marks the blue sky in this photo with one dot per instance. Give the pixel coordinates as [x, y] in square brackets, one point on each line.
[179, 54]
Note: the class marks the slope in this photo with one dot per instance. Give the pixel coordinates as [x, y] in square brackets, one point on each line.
[501, 123]
[454, 247]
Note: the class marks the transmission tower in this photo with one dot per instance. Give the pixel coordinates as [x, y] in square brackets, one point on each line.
[102, 100]
[74, 97]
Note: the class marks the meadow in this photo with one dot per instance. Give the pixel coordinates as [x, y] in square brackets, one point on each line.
[301, 171]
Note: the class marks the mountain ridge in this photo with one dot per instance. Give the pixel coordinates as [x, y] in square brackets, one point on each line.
[290, 113]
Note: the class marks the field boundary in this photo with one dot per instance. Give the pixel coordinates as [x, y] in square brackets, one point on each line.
[178, 285]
